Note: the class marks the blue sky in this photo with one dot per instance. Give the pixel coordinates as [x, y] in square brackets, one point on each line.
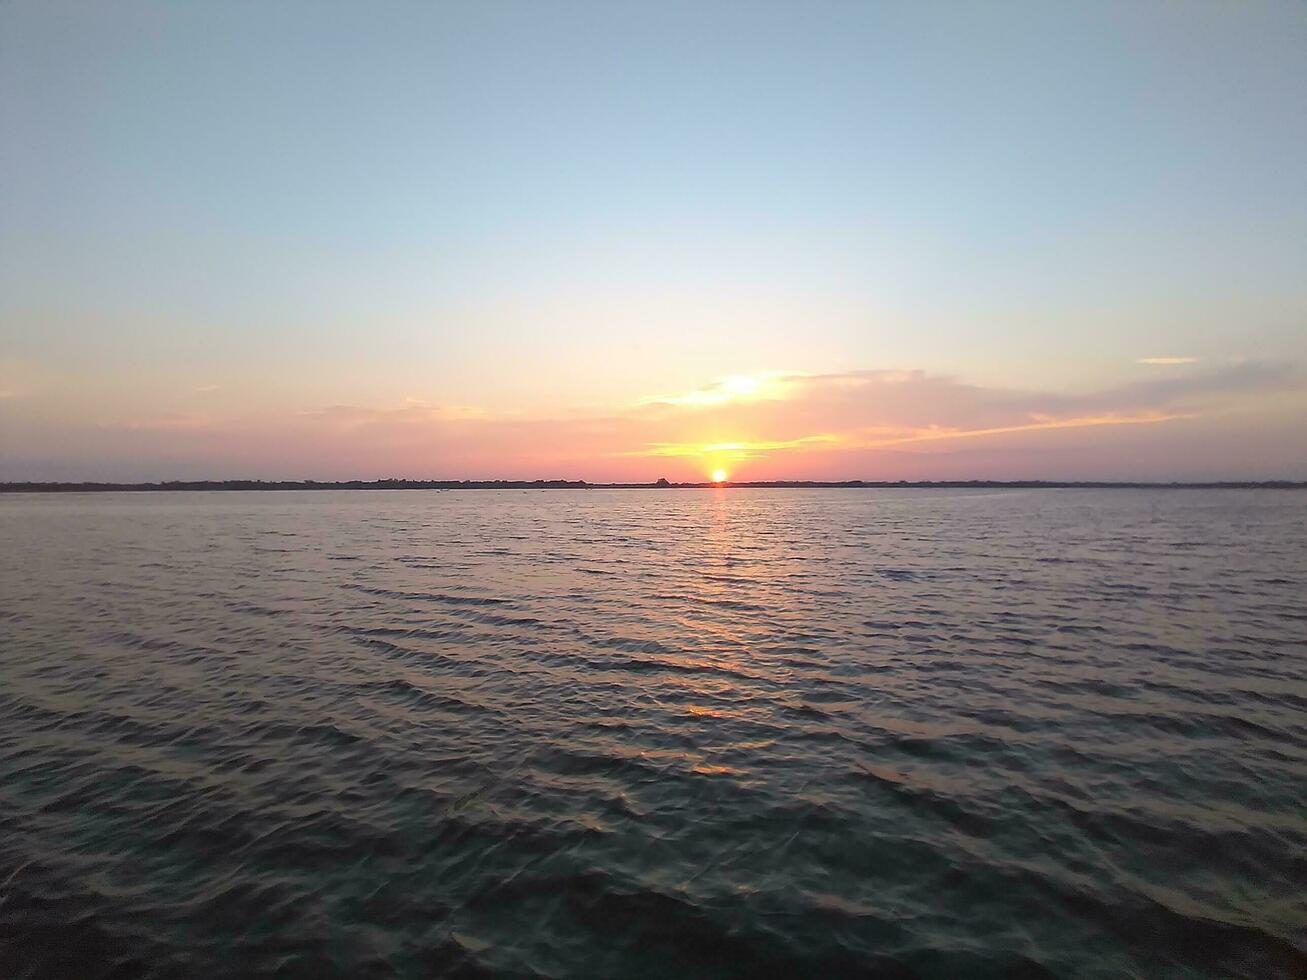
[558, 210]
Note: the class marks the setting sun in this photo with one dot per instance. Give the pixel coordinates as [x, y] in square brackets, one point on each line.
[719, 476]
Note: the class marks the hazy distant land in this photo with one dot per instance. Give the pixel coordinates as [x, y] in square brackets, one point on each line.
[398, 484]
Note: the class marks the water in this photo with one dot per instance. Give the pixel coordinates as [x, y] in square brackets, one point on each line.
[628, 733]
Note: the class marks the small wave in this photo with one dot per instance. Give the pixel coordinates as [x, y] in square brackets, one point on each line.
[826, 733]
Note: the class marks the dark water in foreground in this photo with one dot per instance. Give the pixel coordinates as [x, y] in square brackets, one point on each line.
[699, 733]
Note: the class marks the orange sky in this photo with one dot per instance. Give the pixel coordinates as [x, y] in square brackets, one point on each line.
[622, 241]
[1171, 420]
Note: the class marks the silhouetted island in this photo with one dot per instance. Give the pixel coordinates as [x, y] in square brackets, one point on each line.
[661, 484]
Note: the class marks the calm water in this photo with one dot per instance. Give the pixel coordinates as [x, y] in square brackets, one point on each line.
[627, 733]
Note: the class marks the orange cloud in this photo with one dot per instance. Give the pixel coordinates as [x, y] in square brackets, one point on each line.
[936, 433]
[861, 423]
[733, 450]
[732, 388]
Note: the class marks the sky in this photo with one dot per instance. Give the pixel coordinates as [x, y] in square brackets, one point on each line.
[620, 241]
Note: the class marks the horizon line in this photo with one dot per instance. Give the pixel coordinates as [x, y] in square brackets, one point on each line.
[407, 483]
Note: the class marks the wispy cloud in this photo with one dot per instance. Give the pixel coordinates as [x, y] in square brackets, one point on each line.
[732, 388]
[935, 433]
[869, 410]
[734, 451]
[206, 389]
[1169, 361]
[864, 423]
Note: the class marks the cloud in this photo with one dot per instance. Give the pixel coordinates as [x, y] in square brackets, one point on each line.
[868, 410]
[206, 389]
[1167, 360]
[732, 388]
[734, 451]
[871, 424]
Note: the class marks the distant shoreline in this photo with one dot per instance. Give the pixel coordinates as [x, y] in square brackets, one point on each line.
[396, 484]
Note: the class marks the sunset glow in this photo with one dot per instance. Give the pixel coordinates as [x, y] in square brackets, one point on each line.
[687, 257]
[698, 488]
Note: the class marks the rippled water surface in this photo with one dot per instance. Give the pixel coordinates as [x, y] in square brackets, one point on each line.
[635, 733]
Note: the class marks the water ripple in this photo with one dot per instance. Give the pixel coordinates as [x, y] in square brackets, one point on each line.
[730, 733]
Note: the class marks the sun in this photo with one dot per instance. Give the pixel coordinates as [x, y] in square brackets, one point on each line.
[719, 476]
